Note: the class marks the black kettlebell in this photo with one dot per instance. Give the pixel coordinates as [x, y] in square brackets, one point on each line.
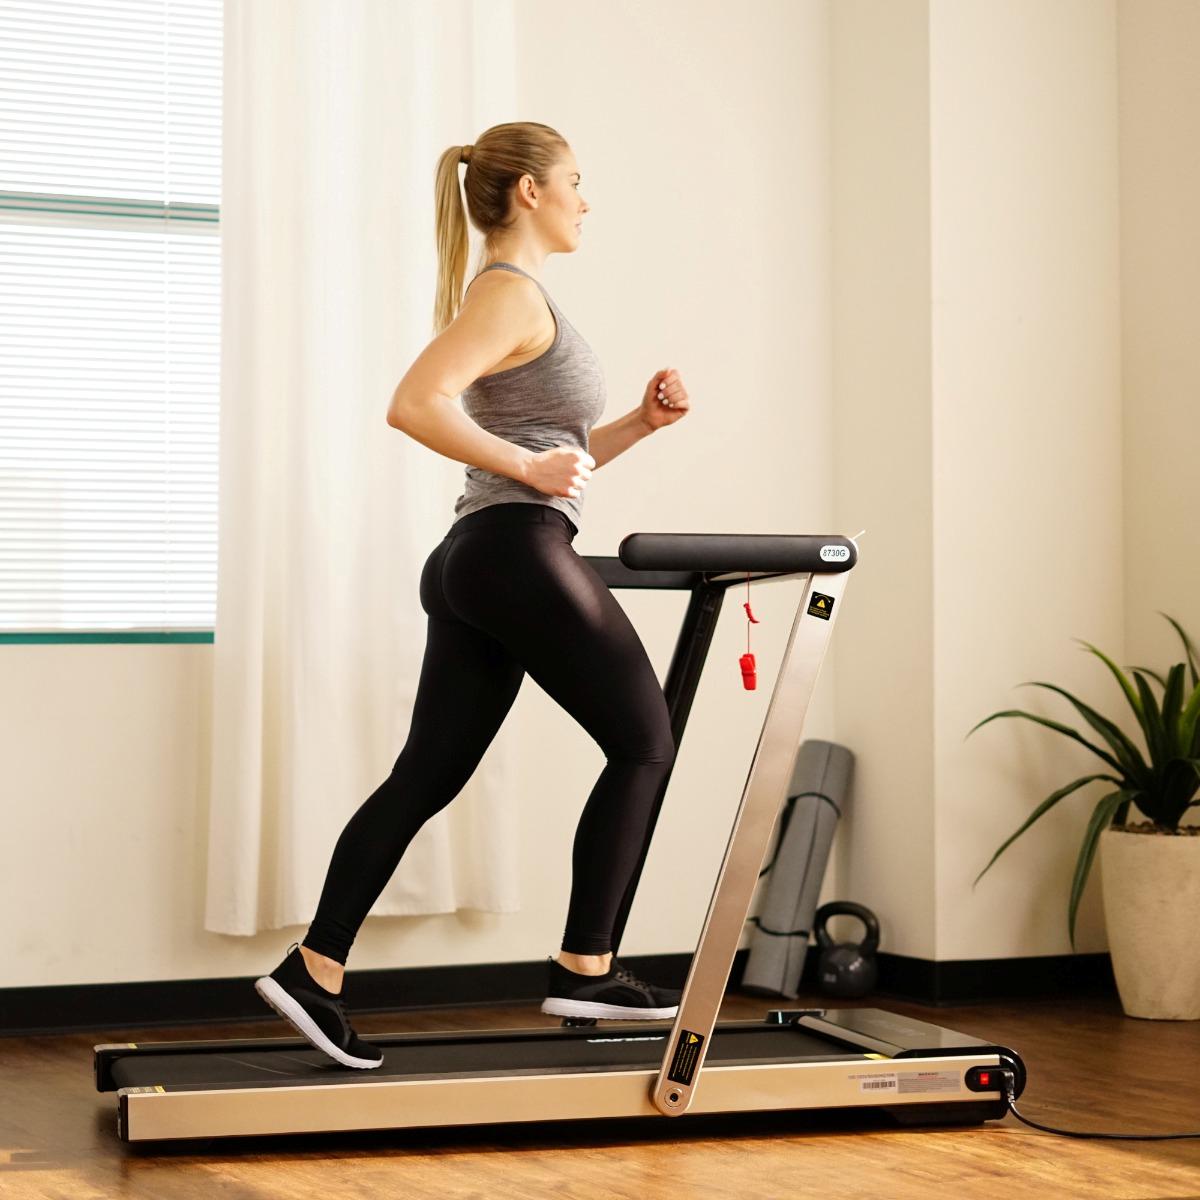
[846, 968]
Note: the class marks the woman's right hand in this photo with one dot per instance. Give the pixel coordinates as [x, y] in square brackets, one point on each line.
[560, 471]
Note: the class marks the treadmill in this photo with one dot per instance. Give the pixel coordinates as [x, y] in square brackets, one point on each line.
[813, 1058]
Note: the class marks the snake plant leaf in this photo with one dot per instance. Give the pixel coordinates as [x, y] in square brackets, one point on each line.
[1044, 807]
[1065, 730]
[1121, 678]
[1188, 647]
[1172, 705]
[1152, 724]
[1129, 755]
[1189, 731]
[1100, 819]
[1149, 671]
[1178, 786]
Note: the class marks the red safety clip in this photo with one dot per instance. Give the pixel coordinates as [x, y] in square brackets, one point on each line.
[746, 662]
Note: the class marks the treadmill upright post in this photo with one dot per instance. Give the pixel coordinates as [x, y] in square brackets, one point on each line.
[770, 771]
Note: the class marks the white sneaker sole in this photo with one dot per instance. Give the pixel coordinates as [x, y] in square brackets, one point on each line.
[556, 1006]
[295, 1016]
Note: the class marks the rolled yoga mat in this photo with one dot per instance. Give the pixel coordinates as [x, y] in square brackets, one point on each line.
[816, 798]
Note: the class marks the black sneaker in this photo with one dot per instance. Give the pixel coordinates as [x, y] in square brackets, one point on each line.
[318, 1014]
[619, 994]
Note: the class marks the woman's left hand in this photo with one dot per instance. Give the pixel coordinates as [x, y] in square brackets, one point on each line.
[665, 401]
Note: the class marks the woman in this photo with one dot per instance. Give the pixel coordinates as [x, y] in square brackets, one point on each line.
[505, 592]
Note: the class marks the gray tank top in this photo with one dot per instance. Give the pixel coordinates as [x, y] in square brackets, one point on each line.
[552, 400]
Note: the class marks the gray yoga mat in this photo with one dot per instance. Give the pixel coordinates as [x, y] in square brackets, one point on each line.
[817, 797]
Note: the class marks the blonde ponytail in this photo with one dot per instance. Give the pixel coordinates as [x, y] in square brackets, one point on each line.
[494, 164]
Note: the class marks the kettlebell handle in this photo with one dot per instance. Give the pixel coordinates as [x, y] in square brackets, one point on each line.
[849, 908]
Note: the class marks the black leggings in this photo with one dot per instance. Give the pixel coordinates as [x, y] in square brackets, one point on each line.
[506, 593]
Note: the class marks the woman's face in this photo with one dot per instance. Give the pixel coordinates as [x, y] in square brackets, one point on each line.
[561, 205]
[574, 204]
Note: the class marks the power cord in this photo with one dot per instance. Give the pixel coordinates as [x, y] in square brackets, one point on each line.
[1009, 1078]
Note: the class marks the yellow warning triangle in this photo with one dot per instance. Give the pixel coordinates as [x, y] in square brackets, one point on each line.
[692, 1037]
[820, 603]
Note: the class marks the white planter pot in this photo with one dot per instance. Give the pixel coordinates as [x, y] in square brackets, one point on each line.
[1151, 888]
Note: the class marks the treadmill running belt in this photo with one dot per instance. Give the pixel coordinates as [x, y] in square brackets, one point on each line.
[591, 1051]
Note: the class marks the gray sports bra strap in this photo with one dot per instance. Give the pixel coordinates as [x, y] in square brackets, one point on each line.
[506, 266]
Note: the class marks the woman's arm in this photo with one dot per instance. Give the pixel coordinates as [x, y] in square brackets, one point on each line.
[438, 422]
[665, 401]
[500, 314]
[605, 442]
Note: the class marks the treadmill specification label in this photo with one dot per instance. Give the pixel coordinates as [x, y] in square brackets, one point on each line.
[875, 1081]
[902, 1083]
[820, 606]
[687, 1054]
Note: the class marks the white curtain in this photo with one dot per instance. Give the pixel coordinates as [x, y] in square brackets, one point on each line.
[334, 114]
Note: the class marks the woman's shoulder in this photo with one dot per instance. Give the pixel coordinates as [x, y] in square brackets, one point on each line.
[515, 305]
[506, 289]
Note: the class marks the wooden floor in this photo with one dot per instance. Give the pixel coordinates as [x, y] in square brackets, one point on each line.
[1090, 1067]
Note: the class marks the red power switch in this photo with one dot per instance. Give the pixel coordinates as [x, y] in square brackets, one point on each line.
[984, 1079]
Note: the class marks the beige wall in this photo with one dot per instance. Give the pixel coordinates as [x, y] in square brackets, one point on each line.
[924, 266]
[1012, 198]
[1159, 123]
[1027, 451]
[882, 453]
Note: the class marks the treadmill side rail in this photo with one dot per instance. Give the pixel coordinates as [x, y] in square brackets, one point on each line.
[766, 784]
[157, 1113]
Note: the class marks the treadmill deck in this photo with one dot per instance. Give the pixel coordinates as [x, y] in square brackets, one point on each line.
[283, 1085]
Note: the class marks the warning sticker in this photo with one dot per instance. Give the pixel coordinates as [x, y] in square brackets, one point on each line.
[820, 606]
[930, 1081]
[687, 1054]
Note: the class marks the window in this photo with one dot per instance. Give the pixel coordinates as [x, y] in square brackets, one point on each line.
[110, 171]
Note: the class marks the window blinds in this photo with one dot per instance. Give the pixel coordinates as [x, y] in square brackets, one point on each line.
[110, 121]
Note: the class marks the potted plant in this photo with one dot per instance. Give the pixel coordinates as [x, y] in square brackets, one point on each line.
[1149, 871]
